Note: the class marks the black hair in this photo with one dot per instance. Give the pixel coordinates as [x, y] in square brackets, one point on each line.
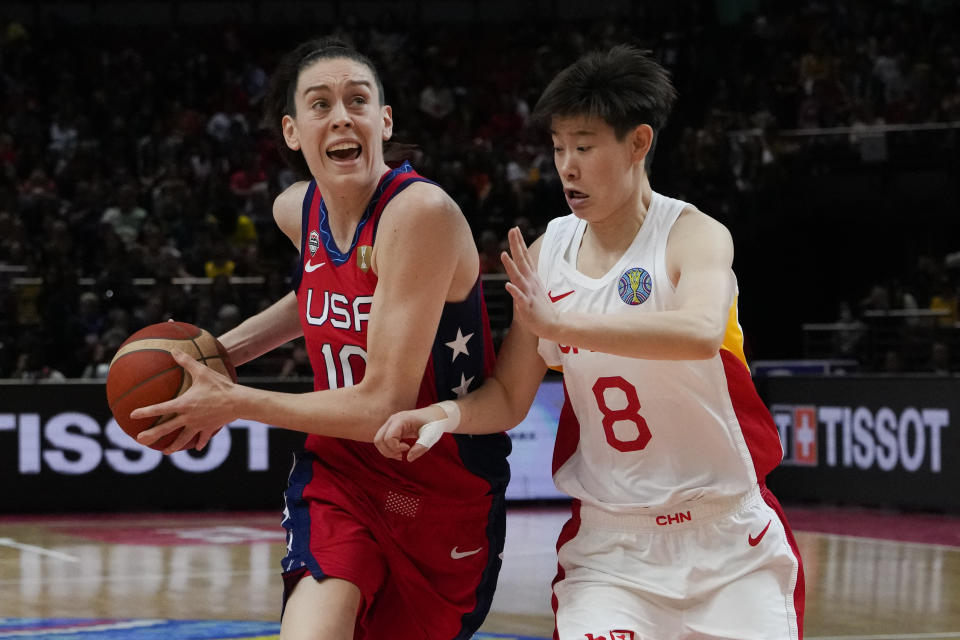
[280, 99]
[623, 86]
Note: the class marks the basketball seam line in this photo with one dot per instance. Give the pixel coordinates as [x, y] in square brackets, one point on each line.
[157, 374]
[203, 358]
[143, 382]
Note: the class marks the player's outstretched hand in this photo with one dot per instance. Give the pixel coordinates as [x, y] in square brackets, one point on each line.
[423, 425]
[201, 411]
[530, 302]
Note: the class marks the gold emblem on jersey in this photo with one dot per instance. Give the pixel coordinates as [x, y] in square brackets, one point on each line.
[635, 286]
[363, 257]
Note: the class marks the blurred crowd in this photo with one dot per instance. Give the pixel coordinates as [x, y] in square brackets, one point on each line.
[909, 323]
[137, 178]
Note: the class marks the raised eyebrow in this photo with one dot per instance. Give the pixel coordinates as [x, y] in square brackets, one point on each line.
[316, 87]
[361, 83]
[350, 83]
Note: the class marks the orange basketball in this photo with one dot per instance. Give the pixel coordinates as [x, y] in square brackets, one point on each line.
[143, 372]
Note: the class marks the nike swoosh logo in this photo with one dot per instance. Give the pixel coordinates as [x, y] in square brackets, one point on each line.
[755, 541]
[310, 268]
[554, 298]
[457, 554]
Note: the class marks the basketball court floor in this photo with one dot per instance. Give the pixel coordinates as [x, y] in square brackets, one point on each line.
[871, 575]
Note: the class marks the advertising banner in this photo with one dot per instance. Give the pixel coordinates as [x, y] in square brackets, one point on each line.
[61, 450]
[847, 440]
[867, 441]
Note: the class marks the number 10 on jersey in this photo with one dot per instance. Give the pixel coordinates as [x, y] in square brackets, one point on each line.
[342, 368]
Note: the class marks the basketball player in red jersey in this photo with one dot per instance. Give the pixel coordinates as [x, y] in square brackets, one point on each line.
[389, 301]
[663, 442]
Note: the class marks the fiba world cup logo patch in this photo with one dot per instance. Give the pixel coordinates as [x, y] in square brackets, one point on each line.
[314, 242]
[635, 286]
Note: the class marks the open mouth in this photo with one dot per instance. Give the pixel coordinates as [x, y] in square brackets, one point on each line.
[344, 151]
[573, 194]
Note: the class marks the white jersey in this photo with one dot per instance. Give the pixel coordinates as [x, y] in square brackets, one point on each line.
[640, 434]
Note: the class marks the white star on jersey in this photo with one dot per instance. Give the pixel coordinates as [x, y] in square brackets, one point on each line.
[286, 517]
[459, 345]
[464, 386]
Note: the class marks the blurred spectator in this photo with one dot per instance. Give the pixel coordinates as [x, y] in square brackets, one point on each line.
[118, 321]
[126, 216]
[527, 228]
[945, 300]
[902, 300]
[89, 316]
[490, 246]
[12, 239]
[63, 138]
[32, 363]
[227, 126]
[249, 261]
[871, 145]
[38, 186]
[237, 228]
[939, 362]
[848, 338]
[157, 253]
[8, 157]
[249, 184]
[436, 100]
[152, 311]
[228, 317]
[220, 263]
[892, 362]
[171, 191]
[102, 353]
[204, 312]
[926, 278]
[222, 292]
[878, 299]
[30, 366]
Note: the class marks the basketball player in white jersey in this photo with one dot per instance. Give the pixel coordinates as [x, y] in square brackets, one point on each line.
[663, 443]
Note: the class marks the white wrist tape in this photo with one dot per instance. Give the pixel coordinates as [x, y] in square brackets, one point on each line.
[430, 433]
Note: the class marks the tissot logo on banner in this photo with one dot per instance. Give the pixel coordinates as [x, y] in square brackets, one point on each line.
[61, 450]
[798, 433]
[862, 437]
[72, 443]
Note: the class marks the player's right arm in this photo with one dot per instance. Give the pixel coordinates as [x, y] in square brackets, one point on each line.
[280, 322]
[500, 404]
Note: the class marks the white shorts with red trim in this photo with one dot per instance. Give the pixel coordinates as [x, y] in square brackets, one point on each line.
[705, 571]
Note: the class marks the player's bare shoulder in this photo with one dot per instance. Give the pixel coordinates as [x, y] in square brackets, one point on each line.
[693, 220]
[428, 211]
[694, 227]
[425, 217]
[696, 237]
[288, 210]
[426, 201]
